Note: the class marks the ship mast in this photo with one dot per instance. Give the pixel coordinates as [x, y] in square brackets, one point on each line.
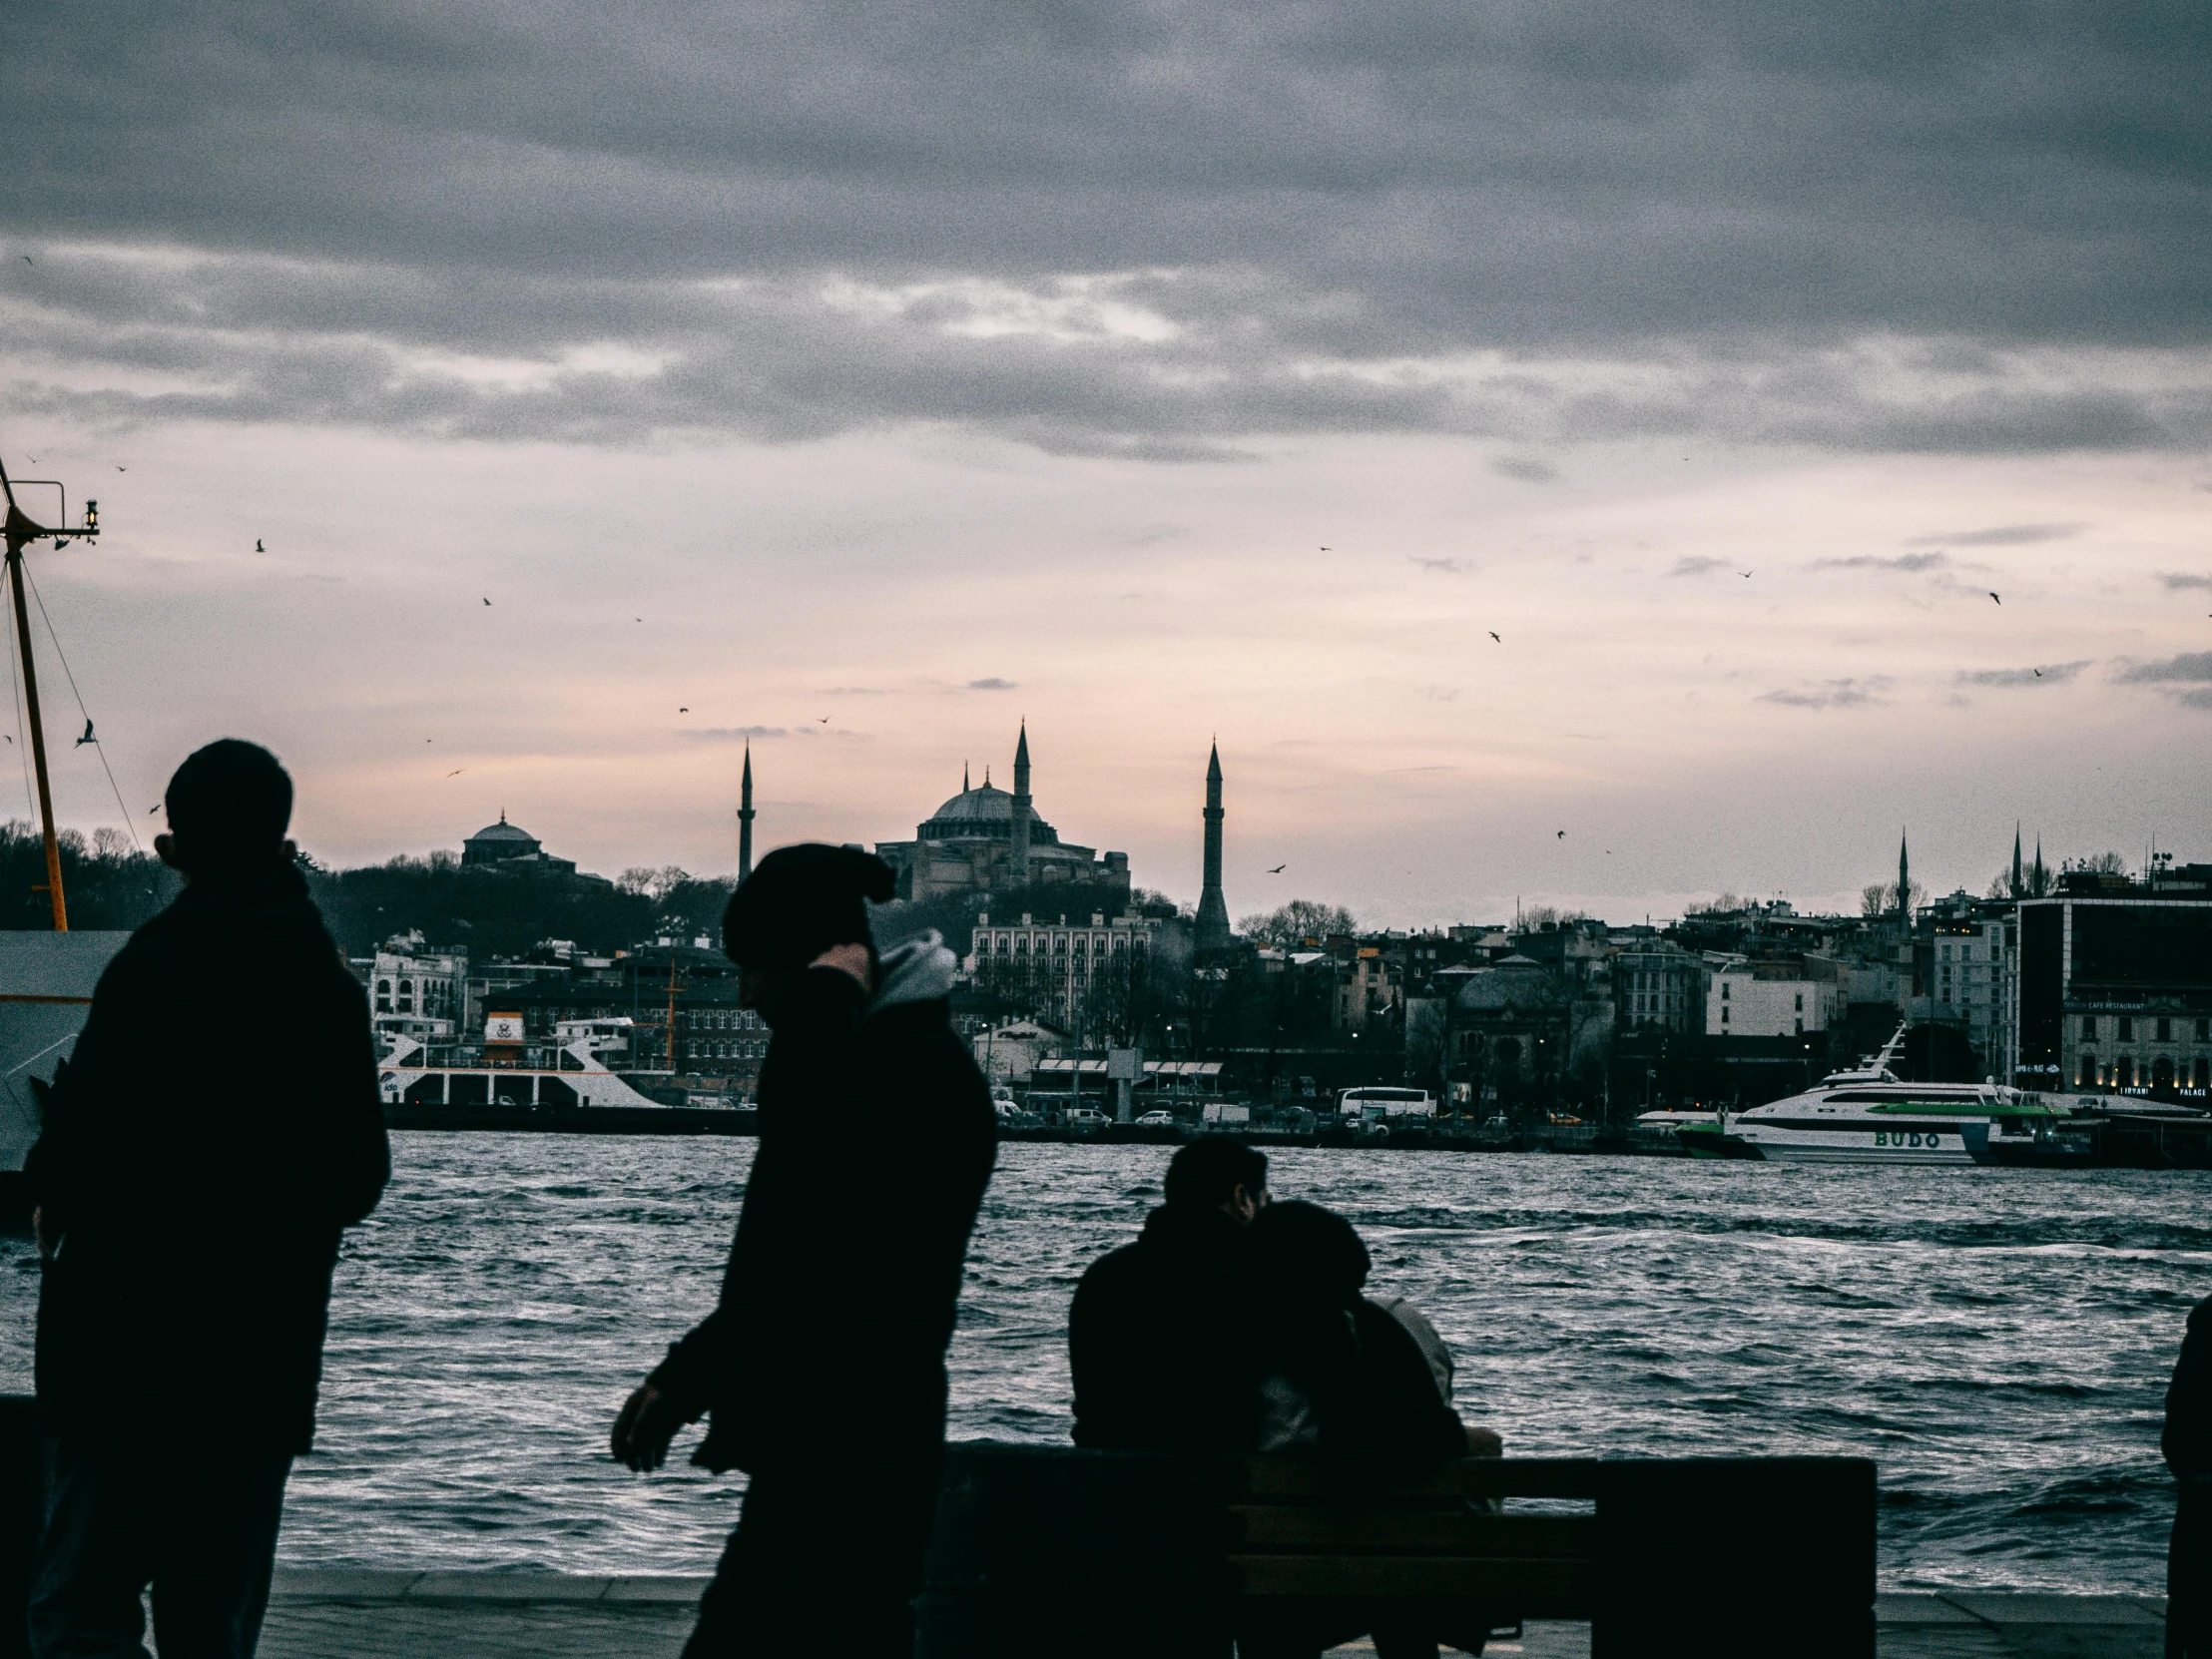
[21, 529]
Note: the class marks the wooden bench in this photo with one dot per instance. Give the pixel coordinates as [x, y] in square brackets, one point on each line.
[1044, 1552]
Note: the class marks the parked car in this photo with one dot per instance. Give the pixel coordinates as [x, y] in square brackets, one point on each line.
[1157, 1120]
[1085, 1117]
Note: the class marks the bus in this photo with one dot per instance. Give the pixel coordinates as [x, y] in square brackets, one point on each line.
[1381, 1105]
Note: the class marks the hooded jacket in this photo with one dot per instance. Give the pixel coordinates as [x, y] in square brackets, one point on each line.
[876, 1141]
[201, 1154]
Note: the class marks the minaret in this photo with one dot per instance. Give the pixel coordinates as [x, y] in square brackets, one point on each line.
[1905, 881]
[745, 818]
[1018, 857]
[2041, 881]
[1212, 931]
[2020, 882]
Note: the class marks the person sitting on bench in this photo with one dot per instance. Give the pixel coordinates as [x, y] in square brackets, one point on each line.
[1159, 1338]
[1365, 1386]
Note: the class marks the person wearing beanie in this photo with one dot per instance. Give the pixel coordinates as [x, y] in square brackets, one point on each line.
[188, 1217]
[821, 1368]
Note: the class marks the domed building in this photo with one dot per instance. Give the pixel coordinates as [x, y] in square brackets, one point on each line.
[986, 839]
[513, 848]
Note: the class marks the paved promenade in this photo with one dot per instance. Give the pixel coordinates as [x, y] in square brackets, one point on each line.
[344, 1614]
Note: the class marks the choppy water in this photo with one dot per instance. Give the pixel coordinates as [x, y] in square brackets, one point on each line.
[1998, 1340]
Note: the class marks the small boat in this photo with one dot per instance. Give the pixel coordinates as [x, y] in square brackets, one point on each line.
[1871, 1116]
[567, 1072]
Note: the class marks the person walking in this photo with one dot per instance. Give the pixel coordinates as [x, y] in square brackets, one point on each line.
[2187, 1445]
[188, 1206]
[822, 1367]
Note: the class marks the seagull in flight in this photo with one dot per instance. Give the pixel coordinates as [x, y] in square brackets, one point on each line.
[1562, 835]
[258, 547]
[1329, 550]
[1280, 869]
[825, 721]
[27, 260]
[1493, 635]
[87, 738]
[487, 602]
[123, 469]
[2000, 601]
[1747, 574]
[456, 772]
[2038, 674]
[684, 711]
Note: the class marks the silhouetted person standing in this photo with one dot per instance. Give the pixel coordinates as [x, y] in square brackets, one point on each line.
[823, 1365]
[189, 1197]
[2187, 1443]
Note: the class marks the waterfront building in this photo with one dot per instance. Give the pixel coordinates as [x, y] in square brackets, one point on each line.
[416, 992]
[985, 840]
[681, 1000]
[1657, 986]
[1059, 968]
[1011, 1054]
[2114, 984]
[1772, 998]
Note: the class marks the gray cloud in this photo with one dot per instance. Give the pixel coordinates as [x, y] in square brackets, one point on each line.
[2190, 668]
[1904, 561]
[1447, 567]
[2177, 581]
[1697, 564]
[1112, 227]
[733, 733]
[2002, 535]
[992, 684]
[2046, 674]
[1832, 694]
[1528, 468]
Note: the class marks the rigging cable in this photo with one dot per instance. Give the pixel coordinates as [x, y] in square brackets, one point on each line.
[127, 825]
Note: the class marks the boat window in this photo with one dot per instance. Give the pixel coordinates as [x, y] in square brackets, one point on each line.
[427, 1090]
[468, 1088]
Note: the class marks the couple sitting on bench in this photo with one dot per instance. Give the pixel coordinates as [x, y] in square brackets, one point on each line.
[1236, 1325]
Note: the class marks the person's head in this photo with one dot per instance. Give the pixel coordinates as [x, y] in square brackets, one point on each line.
[1306, 1253]
[229, 806]
[1219, 1172]
[799, 903]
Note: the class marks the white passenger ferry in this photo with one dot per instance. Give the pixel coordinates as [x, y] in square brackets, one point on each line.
[506, 1071]
[1869, 1116]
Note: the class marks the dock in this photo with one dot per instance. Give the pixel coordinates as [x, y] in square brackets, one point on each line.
[346, 1613]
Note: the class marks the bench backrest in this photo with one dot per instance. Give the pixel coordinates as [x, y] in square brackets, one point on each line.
[1044, 1552]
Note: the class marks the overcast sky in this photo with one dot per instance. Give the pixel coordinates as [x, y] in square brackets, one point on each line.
[865, 380]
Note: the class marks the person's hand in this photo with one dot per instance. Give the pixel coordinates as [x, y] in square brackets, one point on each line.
[846, 958]
[643, 1428]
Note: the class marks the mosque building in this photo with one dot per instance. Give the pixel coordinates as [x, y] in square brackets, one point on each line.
[985, 840]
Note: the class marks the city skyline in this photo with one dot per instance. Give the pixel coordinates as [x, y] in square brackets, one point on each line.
[1723, 437]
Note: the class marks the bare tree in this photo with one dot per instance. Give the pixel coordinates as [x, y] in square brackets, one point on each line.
[1296, 921]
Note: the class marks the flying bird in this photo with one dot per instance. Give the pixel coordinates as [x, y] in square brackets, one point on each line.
[456, 772]
[1280, 869]
[487, 602]
[1746, 573]
[27, 260]
[2038, 674]
[1562, 835]
[2000, 601]
[1329, 550]
[123, 469]
[150, 811]
[825, 721]
[258, 547]
[1493, 636]
[684, 711]
[87, 738]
